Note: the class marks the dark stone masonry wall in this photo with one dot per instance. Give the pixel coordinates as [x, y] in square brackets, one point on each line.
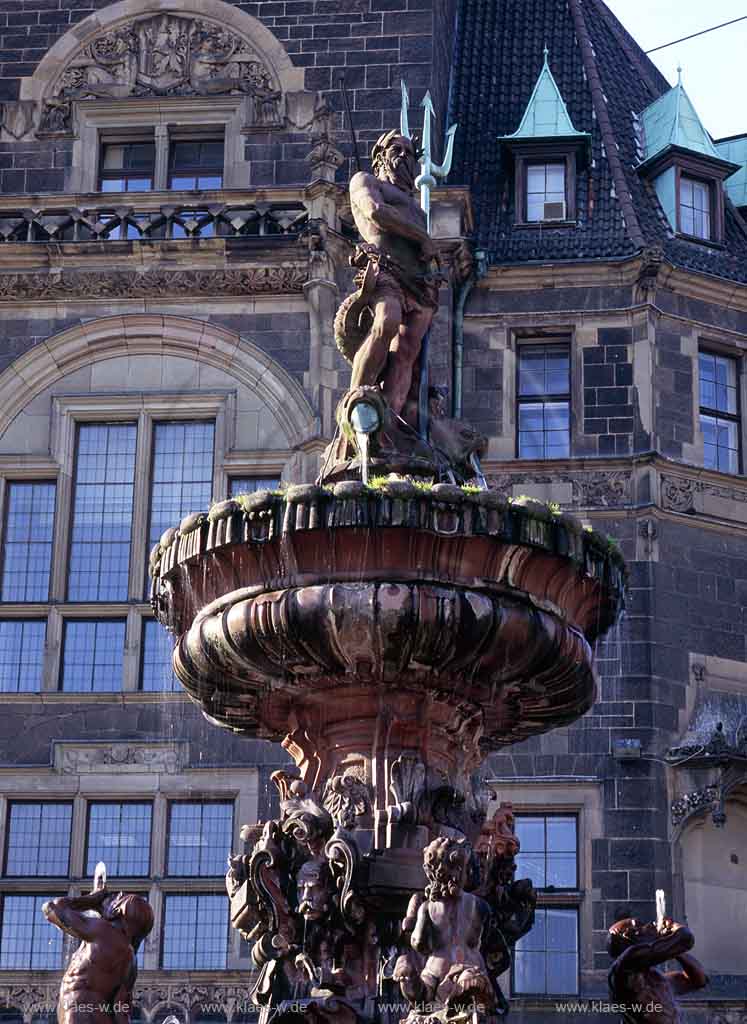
[608, 379]
[371, 43]
[283, 336]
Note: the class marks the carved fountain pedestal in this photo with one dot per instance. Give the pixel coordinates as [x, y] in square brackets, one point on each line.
[390, 637]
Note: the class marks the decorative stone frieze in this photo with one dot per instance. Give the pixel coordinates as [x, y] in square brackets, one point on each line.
[81, 759]
[115, 284]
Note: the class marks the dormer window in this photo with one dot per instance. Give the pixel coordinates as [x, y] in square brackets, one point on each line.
[546, 148]
[695, 208]
[684, 166]
[546, 199]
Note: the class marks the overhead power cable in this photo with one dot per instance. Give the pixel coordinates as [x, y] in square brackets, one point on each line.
[696, 34]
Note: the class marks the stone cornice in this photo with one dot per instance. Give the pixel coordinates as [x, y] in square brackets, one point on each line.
[646, 484]
[531, 276]
[151, 200]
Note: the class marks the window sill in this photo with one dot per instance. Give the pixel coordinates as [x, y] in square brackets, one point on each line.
[79, 696]
[545, 224]
[560, 897]
[709, 242]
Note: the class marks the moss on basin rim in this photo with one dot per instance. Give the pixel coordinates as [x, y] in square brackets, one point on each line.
[482, 606]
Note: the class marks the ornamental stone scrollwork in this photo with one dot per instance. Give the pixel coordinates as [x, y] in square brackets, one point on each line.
[30, 1000]
[678, 493]
[588, 490]
[133, 758]
[164, 54]
[304, 895]
[602, 490]
[725, 762]
[152, 283]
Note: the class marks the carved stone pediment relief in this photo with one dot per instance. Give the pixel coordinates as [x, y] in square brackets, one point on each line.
[134, 758]
[165, 54]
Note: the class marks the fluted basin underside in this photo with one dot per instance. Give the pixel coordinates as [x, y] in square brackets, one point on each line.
[316, 601]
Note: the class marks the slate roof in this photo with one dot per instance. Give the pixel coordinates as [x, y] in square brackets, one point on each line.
[606, 82]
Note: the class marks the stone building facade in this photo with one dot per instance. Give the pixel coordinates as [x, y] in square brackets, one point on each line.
[174, 237]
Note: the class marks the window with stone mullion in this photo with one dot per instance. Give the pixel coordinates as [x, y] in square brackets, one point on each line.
[182, 472]
[38, 842]
[27, 941]
[249, 484]
[546, 960]
[195, 932]
[199, 835]
[127, 166]
[119, 834]
[720, 420]
[543, 390]
[22, 655]
[102, 512]
[27, 541]
[93, 655]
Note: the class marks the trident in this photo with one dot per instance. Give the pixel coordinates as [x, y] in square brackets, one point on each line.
[426, 181]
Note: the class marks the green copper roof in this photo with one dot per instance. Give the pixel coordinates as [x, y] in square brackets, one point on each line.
[672, 121]
[546, 116]
[735, 150]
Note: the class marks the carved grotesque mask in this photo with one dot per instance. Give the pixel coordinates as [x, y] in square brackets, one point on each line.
[313, 898]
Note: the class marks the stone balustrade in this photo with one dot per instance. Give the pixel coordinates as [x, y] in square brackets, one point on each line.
[150, 217]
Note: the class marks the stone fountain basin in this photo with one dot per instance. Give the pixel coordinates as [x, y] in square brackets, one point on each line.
[319, 598]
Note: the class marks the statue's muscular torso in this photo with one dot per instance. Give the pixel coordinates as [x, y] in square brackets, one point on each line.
[366, 193]
[85, 991]
[651, 991]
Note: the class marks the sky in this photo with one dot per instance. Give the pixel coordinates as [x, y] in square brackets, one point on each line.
[713, 66]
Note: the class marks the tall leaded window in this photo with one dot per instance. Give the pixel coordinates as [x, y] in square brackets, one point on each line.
[195, 932]
[182, 480]
[546, 191]
[127, 166]
[93, 655]
[544, 401]
[27, 550]
[719, 412]
[156, 672]
[199, 835]
[119, 834]
[695, 207]
[27, 941]
[38, 842]
[250, 484]
[21, 655]
[102, 512]
[546, 959]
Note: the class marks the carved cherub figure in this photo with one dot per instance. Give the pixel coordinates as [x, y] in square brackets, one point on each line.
[97, 985]
[637, 949]
[448, 930]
